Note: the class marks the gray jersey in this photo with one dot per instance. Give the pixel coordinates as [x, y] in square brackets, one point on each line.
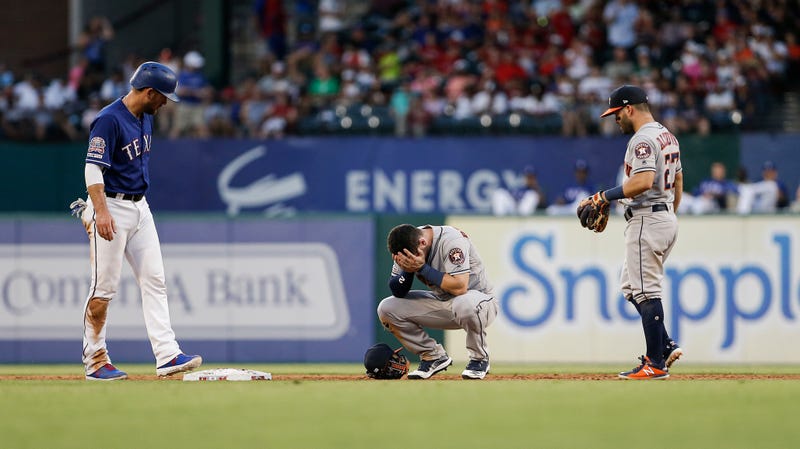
[653, 148]
[452, 252]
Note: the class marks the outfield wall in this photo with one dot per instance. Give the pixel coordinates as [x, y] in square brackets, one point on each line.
[253, 289]
[243, 290]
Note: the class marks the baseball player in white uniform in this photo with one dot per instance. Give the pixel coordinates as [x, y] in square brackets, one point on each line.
[460, 296]
[118, 221]
[651, 192]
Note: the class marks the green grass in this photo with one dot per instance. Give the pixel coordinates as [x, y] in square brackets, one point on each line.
[400, 414]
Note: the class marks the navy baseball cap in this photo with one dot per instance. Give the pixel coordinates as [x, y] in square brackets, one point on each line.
[624, 96]
[581, 164]
[529, 170]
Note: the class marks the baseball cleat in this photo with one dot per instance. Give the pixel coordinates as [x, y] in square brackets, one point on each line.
[179, 364]
[672, 353]
[107, 372]
[428, 368]
[645, 371]
[476, 369]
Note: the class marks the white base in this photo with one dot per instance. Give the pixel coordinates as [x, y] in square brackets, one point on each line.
[230, 374]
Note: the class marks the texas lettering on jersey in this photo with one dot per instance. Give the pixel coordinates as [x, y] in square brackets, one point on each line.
[133, 149]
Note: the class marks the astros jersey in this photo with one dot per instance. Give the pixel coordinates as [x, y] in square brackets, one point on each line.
[653, 148]
[453, 253]
[120, 144]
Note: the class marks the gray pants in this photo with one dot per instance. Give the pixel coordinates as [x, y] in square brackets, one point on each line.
[649, 238]
[405, 318]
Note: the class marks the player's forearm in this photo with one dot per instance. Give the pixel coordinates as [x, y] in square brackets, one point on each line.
[455, 285]
[638, 184]
[678, 191]
[97, 193]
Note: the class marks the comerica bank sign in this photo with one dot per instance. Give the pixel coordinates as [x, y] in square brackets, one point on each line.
[216, 292]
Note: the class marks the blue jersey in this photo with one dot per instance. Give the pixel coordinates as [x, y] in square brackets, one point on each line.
[120, 144]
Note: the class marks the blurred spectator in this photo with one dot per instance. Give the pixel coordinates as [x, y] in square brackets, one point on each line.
[255, 107]
[578, 58]
[90, 113]
[714, 194]
[620, 17]
[92, 42]
[331, 15]
[400, 106]
[419, 120]
[765, 196]
[221, 116]
[574, 113]
[271, 18]
[567, 202]
[792, 57]
[719, 104]
[25, 117]
[193, 90]
[167, 57]
[523, 200]
[795, 206]
[281, 116]
[323, 87]
[620, 67]
[276, 80]
[59, 102]
[114, 86]
[6, 76]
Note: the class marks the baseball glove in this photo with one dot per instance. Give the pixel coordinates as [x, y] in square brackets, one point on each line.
[382, 362]
[593, 212]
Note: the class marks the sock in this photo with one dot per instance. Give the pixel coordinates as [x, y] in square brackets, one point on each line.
[653, 324]
[665, 336]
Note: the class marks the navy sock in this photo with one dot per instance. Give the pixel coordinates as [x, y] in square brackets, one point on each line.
[653, 324]
[665, 335]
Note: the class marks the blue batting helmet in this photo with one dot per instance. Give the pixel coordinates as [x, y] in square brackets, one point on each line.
[157, 76]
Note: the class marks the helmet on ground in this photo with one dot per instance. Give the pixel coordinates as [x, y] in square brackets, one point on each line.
[382, 362]
[156, 76]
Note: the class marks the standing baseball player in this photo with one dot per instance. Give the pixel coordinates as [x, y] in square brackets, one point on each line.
[651, 192]
[460, 296]
[117, 178]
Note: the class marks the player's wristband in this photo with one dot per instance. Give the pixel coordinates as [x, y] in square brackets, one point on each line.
[614, 194]
[432, 275]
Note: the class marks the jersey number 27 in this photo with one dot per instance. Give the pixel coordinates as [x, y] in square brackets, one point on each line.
[670, 160]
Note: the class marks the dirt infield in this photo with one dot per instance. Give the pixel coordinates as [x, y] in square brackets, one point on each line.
[446, 377]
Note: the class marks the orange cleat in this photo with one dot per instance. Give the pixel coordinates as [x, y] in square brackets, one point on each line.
[645, 371]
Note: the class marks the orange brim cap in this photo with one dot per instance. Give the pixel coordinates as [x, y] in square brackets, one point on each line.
[610, 111]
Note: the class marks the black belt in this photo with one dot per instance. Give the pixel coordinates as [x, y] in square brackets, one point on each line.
[659, 207]
[126, 196]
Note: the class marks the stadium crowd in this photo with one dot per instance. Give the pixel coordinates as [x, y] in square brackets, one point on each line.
[417, 67]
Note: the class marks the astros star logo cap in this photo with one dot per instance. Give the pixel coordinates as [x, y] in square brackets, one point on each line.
[623, 96]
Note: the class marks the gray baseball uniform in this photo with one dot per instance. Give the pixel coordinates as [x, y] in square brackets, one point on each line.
[652, 226]
[451, 252]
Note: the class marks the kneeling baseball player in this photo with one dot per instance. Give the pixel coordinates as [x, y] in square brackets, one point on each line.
[460, 296]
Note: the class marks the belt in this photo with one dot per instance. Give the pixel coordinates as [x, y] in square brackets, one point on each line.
[126, 196]
[659, 207]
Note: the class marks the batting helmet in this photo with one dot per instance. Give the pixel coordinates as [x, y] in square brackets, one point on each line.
[157, 76]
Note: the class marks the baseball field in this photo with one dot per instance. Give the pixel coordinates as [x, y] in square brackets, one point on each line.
[335, 406]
